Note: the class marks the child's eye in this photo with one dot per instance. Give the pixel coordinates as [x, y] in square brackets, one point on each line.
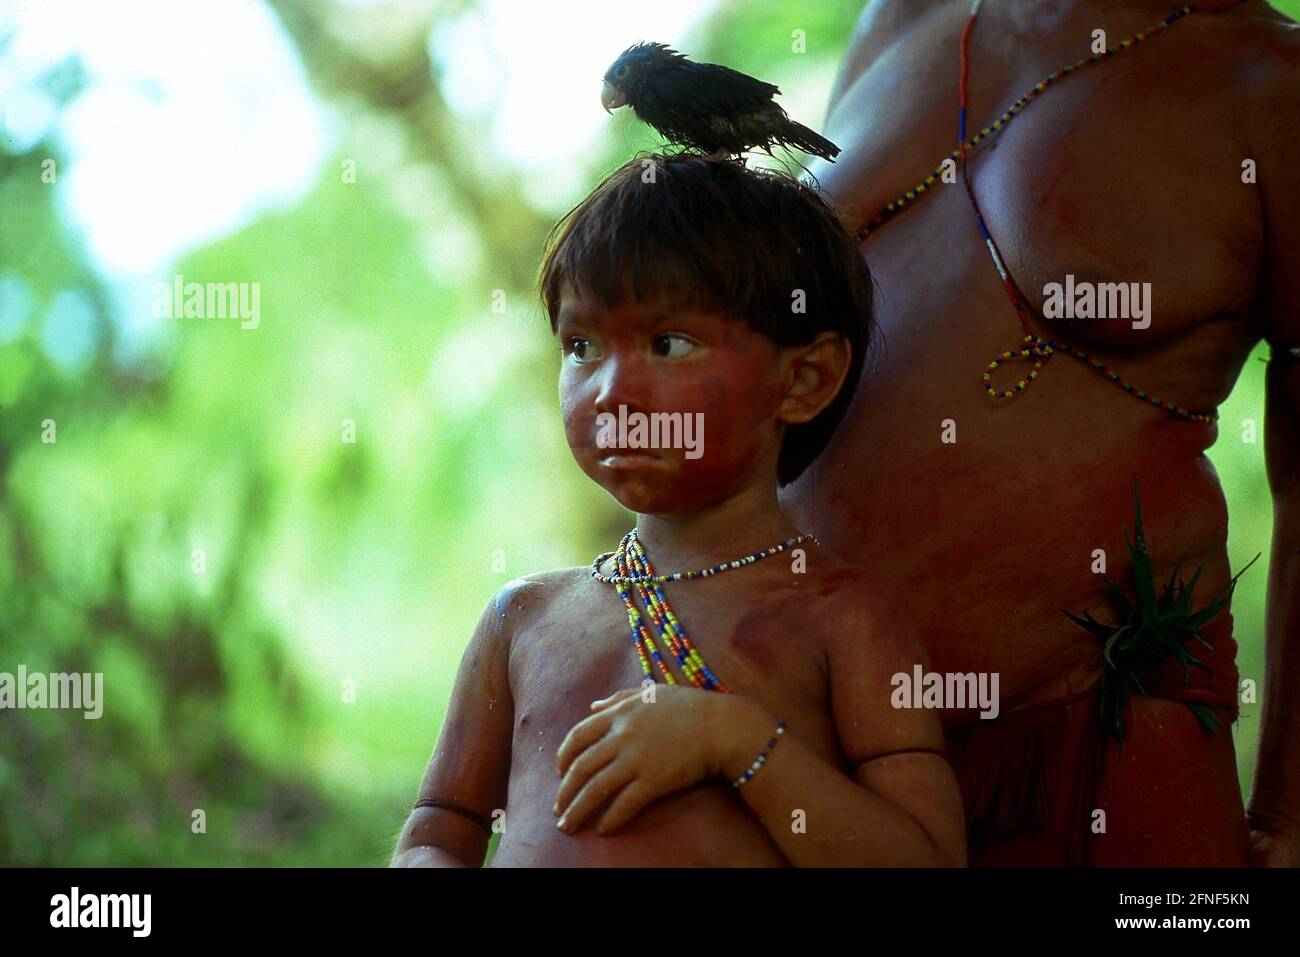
[582, 350]
[672, 347]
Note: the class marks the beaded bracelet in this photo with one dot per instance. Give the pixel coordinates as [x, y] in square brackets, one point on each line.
[762, 758]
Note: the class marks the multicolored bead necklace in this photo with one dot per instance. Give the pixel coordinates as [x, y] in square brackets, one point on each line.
[1033, 346]
[633, 567]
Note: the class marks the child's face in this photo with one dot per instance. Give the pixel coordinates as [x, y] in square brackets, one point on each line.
[722, 376]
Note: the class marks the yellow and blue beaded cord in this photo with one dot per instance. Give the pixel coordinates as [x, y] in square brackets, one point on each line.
[632, 566]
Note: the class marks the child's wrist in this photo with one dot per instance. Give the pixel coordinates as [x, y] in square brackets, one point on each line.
[744, 727]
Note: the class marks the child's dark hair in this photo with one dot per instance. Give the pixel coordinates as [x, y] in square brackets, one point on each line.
[725, 238]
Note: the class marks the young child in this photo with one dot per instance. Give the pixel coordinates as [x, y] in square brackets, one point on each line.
[734, 298]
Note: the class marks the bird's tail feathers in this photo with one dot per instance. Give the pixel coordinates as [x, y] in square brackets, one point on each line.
[810, 141]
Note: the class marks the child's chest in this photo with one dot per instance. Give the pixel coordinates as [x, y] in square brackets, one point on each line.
[582, 649]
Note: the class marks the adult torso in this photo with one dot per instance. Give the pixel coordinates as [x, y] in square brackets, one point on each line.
[1127, 172]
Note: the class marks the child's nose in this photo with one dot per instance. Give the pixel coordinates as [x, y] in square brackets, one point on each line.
[626, 381]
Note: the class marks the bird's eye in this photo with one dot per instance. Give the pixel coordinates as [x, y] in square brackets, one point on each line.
[622, 71]
[580, 350]
[672, 347]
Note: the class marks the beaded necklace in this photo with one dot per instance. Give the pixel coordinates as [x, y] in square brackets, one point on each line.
[632, 567]
[1033, 346]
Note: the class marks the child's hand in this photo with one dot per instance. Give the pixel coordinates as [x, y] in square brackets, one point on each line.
[635, 751]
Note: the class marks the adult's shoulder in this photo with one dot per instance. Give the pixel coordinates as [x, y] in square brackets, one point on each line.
[881, 24]
[883, 19]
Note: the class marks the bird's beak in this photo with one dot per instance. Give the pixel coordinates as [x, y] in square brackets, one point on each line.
[611, 97]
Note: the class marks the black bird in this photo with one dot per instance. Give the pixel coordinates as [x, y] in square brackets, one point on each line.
[705, 106]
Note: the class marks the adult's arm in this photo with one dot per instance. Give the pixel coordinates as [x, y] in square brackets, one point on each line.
[1273, 812]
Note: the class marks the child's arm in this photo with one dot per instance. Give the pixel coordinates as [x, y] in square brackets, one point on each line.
[901, 809]
[896, 809]
[470, 767]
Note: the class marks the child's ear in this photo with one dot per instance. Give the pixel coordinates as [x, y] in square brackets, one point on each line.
[815, 373]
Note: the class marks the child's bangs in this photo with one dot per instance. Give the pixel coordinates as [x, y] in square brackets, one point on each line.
[672, 242]
[642, 266]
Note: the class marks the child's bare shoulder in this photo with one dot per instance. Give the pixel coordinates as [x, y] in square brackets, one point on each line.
[529, 598]
[871, 615]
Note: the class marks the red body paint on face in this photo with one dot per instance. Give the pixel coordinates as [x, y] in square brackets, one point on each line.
[655, 357]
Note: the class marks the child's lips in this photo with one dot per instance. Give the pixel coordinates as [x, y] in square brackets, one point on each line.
[630, 459]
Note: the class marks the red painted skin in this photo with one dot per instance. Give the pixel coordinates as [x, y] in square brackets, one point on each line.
[548, 644]
[994, 535]
[727, 375]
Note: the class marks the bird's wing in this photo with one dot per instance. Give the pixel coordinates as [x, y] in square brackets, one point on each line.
[713, 89]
